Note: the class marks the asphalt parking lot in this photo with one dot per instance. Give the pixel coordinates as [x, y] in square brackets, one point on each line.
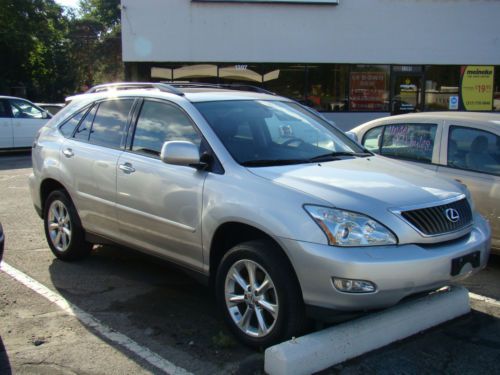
[166, 312]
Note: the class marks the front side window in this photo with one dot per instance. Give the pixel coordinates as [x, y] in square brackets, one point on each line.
[4, 109]
[262, 132]
[23, 109]
[413, 142]
[474, 149]
[158, 123]
[110, 122]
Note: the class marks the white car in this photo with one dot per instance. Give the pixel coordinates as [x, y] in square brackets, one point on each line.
[20, 121]
[464, 146]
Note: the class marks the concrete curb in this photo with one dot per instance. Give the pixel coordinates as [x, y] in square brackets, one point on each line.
[320, 350]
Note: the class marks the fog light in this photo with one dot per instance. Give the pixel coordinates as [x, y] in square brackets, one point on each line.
[353, 286]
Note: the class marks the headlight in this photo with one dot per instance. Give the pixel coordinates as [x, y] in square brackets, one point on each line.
[346, 228]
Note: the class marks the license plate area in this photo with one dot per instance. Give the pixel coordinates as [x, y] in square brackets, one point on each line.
[473, 258]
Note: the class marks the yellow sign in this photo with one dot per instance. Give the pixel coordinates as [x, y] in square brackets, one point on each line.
[477, 87]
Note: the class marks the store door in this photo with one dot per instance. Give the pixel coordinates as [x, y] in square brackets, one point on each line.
[406, 89]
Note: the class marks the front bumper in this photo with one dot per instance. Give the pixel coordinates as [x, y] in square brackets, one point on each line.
[397, 271]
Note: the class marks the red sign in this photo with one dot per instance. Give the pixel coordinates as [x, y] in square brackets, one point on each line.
[367, 91]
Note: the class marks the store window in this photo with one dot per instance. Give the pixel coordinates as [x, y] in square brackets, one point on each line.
[285, 80]
[369, 88]
[496, 90]
[441, 84]
[327, 87]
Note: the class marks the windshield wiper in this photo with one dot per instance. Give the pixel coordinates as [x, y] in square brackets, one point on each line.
[270, 162]
[335, 154]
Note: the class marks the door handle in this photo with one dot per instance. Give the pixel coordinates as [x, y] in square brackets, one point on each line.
[127, 168]
[68, 152]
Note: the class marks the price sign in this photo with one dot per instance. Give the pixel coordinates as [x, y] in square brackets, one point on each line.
[477, 87]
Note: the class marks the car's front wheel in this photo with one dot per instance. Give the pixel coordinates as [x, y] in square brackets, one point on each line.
[63, 229]
[258, 294]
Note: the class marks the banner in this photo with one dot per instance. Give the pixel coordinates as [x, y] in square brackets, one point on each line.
[367, 91]
[477, 87]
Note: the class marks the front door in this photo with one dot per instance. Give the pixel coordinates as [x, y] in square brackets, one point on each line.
[406, 89]
[159, 205]
[27, 120]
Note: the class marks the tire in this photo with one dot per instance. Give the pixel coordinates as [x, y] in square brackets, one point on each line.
[63, 229]
[249, 315]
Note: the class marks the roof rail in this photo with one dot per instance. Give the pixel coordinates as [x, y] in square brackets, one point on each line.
[134, 85]
[229, 86]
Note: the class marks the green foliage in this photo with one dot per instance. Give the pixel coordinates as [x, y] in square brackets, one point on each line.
[52, 52]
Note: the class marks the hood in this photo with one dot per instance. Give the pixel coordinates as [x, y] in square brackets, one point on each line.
[364, 184]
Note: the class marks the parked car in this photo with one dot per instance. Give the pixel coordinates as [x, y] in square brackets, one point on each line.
[20, 120]
[2, 242]
[271, 205]
[52, 108]
[463, 146]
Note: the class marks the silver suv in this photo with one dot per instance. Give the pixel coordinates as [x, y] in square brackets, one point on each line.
[276, 209]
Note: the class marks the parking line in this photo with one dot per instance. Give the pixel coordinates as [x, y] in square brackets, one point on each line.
[484, 299]
[89, 321]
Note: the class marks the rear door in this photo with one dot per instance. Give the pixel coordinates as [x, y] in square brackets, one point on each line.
[89, 160]
[471, 155]
[159, 205]
[27, 120]
[6, 137]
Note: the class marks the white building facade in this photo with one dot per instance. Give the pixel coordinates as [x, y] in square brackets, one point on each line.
[352, 59]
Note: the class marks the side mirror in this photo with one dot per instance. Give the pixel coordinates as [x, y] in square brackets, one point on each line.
[46, 115]
[353, 136]
[181, 153]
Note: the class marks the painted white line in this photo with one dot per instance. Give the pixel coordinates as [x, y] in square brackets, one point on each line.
[89, 321]
[320, 350]
[484, 299]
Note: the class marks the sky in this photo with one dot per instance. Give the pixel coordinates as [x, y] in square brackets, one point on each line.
[68, 3]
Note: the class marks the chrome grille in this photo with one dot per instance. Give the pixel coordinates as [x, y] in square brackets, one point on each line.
[433, 221]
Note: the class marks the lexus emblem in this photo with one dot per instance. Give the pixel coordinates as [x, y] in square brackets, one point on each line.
[452, 215]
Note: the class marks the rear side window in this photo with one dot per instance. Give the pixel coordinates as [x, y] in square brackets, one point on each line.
[110, 122]
[371, 139]
[68, 128]
[161, 122]
[83, 131]
[474, 150]
[413, 142]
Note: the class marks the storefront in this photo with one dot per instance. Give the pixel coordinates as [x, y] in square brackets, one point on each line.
[353, 60]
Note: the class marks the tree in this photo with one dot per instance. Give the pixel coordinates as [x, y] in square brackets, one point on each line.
[34, 51]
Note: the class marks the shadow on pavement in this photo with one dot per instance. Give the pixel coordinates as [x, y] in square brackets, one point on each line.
[15, 160]
[5, 368]
[154, 304]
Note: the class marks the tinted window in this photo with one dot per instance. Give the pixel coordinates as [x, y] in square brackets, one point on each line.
[161, 122]
[409, 141]
[69, 126]
[23, 109]
[372, 138]
[474, 149]
[109, 122]
[84, 129]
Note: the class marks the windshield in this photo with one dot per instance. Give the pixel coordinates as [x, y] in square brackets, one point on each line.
[262, 132]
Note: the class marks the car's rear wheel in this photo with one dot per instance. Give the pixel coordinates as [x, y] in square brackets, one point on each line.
[63, 228]
[258, 294]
